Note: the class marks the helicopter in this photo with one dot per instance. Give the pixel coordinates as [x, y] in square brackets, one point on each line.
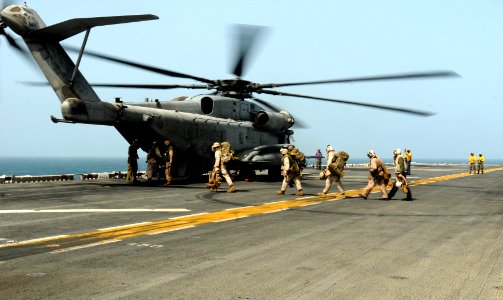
[255, 128]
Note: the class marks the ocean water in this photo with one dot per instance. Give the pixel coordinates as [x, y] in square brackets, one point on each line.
[56, 166]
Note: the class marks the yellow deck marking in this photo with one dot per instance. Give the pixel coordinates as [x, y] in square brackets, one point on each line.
[105, 236]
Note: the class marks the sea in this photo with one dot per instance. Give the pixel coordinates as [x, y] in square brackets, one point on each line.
[81, 165]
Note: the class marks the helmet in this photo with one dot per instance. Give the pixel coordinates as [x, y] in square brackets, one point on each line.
[371, 153]
[215, 145]
[397, 151]
[329, 148]
[283, 151]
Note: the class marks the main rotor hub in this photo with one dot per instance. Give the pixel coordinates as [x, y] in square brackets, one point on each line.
[235, 88]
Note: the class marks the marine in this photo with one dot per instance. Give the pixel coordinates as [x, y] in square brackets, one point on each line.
[168, 157]
[219, 167]
[379, 175]
[401, 176]
[153, 158]
[333, 171]
[132, 162]
[290, 171]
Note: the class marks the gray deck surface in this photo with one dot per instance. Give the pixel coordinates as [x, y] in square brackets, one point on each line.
[447, 243]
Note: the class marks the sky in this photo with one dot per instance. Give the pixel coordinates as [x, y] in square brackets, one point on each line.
[305, 40]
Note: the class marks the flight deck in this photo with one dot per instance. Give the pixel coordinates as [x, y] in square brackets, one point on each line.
[104, 239]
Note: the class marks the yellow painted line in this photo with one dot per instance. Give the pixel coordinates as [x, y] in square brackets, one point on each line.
[106, 235]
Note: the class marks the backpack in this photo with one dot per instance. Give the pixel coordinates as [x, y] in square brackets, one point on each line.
[299, 158]
[227, 152]
[336, 167]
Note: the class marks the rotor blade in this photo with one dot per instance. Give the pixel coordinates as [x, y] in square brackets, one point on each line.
[246, 39]
[151, 86]
[298, 123]
[137, 65]
[369, 78]
[13, 43]
[128, 85]
[396, 109]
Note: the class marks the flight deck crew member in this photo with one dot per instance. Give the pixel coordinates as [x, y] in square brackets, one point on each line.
[290, 171]
[132, 162]
[169, 160]
[378, 175]
[153, 158]
[331, 177]
[472, 160]
[480, 163]
[408, 160]
[401, 176]
[220, 165]
[318, 159]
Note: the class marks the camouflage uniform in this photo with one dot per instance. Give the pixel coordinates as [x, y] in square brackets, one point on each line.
[289, 174]
[153, 158]
[220, 165]
[132, 162]
[332, 177]
[377, 176]
[401, 176]
[169, 160]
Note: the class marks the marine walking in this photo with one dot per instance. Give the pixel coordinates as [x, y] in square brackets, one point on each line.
[379, 175]
[291, 172]
[334, 170]
[401, 176]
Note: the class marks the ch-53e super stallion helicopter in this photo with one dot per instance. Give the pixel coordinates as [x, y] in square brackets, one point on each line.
[255, 129]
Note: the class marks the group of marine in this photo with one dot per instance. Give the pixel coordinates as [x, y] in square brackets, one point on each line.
[293, 161]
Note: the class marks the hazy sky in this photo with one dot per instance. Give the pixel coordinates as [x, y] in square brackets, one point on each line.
[307, 40]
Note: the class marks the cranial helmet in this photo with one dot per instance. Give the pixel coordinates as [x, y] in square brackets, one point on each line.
[283, 151]
[371, 153]
[397, 151]
[215, 145]
[329, 148]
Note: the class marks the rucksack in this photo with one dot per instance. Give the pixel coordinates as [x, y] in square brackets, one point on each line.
[299, 158]
[336, 167]
[227, 152]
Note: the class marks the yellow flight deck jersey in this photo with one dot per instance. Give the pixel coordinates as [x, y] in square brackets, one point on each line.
[408, 156]
[472, 159]
[481, 159]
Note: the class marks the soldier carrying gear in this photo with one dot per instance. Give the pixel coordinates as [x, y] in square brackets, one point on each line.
[472, 159]
[379, 175]
[290, 171]
[480, 164]
[132, 162]
[401, 176]
[154, 157]
[168, 157]
[334, 170]
[219, 167]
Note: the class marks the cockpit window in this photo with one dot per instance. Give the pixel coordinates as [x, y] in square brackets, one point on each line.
[15, 9]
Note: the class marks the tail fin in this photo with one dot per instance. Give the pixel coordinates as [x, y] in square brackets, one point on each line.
[43, 43]
[66, 29]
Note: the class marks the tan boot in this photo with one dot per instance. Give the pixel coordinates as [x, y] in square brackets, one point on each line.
[280, 192]
[300, 193]
[231, 189]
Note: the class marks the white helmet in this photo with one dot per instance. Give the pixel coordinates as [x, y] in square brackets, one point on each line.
[215, 145]
[371, 153]
[283, 151]
[397, 151]
[329, 148]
